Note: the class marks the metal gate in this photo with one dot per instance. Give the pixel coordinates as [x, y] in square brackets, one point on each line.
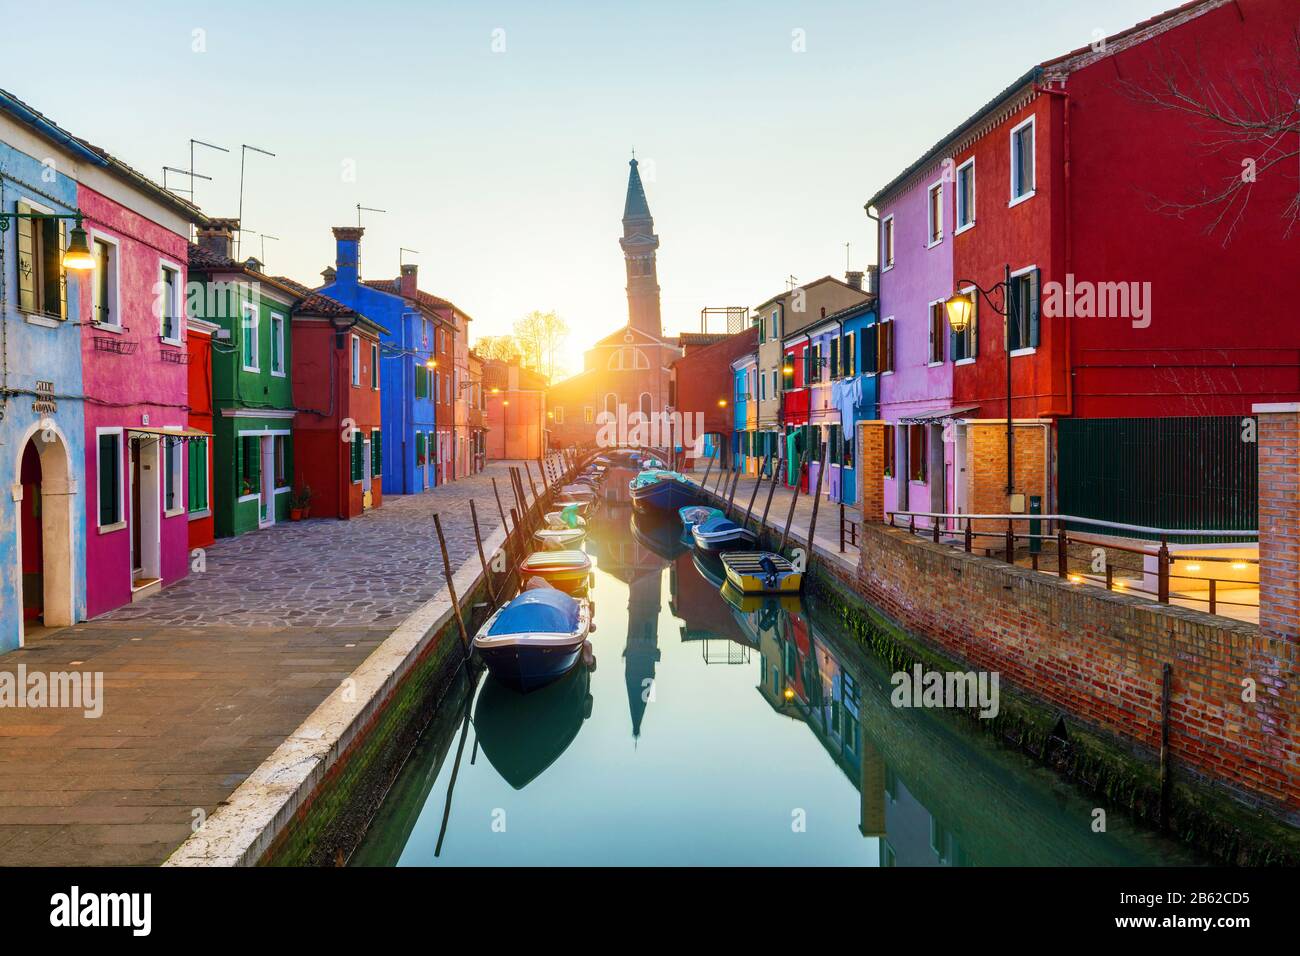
[1161, 472]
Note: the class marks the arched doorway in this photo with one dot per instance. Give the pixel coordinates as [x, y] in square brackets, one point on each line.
[45, 551]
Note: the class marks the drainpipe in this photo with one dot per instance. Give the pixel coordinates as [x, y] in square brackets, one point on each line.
[1065, 136]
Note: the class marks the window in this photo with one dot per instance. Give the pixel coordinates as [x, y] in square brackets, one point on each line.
[198, 475]
[376, 452]
[248, 333]
[965, 345]
[934, 215]
[42, 288]
[848, 359]
[172, 471]
[776, 329]
[848, 448]
[1023, 301]
[916, 448]
[646, 404]
[358, 455]
[885, 346]
[170, 304]
[966, 194]
[281, 449]
[559, 414]
[277, 344]
[625, 360]
[421, 382]
[105, 283]
[249, 466]
[419, 450]
[887, 241]
[356, 362]
[374, 367]
[890, 451]
[110, 479]
[424, 340]
[1022, 161]
[588, 415]
[938, 330]
[611, 404]
[835, 357]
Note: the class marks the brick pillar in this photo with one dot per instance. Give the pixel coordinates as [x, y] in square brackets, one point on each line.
[871, 470]
[1279, 520]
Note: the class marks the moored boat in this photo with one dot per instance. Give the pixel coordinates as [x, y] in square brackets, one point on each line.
[720, 534]
[566, 570]
[692, 515]
[663, 492]
[761, 572]
[558, 539]
[534, 639]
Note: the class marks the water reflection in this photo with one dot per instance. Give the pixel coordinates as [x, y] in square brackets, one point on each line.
[580, 779]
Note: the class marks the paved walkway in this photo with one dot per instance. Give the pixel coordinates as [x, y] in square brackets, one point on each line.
[204, 680]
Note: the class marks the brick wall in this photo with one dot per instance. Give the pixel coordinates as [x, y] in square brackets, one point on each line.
[986, 468]
[1098, 656]
[1279, 520]
[871, 470]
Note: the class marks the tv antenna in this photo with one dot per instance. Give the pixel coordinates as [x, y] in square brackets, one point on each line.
[243, 152]
[184, 172]
[263, 236]
[361, 208]
[401, 249]
[193, 175]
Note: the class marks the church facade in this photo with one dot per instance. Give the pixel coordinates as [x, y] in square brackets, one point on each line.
[628, 371]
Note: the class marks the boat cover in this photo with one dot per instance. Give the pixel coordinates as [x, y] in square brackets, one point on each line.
[653, 475]
[717, 523]
[698, 513]
[540, 611]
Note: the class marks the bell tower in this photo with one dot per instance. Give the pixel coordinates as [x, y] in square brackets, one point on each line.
[639, 243]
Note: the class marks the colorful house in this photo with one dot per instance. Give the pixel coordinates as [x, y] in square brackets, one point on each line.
[744, 446]
[701, 390]
[855, 390]
[199, 464]
[337, 431]
[42, 424]
[407, 363]
[252, 393]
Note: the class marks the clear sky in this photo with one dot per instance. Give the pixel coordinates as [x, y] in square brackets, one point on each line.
[507, 168]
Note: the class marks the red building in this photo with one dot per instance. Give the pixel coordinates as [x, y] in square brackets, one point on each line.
[1147, 323]
[198, 341]
[336, 389]
[700, 384]
[515, 413]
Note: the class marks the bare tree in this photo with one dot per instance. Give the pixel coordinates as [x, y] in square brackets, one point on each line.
[503, 347]
[1251, 117]
[541, 335]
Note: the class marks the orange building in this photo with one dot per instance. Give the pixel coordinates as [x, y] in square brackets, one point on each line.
[516, 410]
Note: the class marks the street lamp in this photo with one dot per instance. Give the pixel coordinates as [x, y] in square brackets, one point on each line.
[77, 256]
[960, 306]
[722, 403]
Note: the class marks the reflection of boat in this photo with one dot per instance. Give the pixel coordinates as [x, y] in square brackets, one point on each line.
[710, 568]
[692, 515]
[658, 535]
[523, 734]
[535, 638]
[566, 570]
[557, 539]
[767, 605]
[664, 492]
[761, 572]
[720, 534]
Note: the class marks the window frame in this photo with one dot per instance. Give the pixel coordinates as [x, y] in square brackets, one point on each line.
[887, 242]
[192, 475]
[957, 197]
[173, 475]
[114, 291]
[374, 366]
[1016, 199]
[938, 333]
[933, 208]
[249, 334]
[38, 314]
[1024, 349]
[918, 458]
[121, 522]
[972, 330]
[177, 304]
[354, 353]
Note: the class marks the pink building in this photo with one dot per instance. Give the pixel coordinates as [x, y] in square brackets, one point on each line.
[135, 380]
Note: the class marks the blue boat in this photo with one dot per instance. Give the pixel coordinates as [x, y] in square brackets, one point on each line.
[720, 533]
[692, 515]
[535, 639]
[655, 491]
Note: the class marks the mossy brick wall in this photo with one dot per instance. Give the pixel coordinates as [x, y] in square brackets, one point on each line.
[1098, 657]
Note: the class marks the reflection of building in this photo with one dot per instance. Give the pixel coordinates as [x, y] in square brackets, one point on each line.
[629, 367]
[706, 616]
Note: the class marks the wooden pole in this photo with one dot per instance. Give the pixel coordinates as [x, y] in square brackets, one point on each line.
[817, 497]
[531, 483]
[478, 540]
[794, 500]
[709, 468]
[496, 491]
[758, 481]
[734, 485]
[771, 490]
[451, 585]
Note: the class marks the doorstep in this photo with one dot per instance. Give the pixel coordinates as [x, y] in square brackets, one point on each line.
[142, 588]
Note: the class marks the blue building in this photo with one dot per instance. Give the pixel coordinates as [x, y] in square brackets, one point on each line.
[42, 420]
[855, 385]
[410, 376]
[744, 447]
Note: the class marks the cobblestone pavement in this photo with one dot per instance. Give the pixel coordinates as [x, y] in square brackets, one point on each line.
[375, 569]
[203, 681]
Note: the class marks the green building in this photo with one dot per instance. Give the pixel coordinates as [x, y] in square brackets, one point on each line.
[250, 381]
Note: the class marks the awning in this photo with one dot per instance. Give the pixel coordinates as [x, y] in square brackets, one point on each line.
[943, 414]
[186, 432]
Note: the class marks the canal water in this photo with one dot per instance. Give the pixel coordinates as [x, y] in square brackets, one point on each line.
[703, 732]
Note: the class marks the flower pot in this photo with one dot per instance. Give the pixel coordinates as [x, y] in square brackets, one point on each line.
[295, 514]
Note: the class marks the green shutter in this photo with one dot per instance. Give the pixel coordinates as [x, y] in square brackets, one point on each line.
[357, 451]
[376, 452]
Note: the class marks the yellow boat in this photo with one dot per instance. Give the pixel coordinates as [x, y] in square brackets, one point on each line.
[750, 603]
[761, 572]
[566, 570]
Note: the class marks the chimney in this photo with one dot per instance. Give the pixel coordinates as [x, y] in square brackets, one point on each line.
[328, 274]
[407, 284]
[854, 279]
[348, 244]
[253, 264]
[217, 236]
[873, 280]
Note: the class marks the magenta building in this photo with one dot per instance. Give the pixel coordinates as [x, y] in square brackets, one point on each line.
[916, 222]
[136, 385]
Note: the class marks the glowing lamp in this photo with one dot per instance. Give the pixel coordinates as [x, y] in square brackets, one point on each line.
[78, 257]
[959, 307]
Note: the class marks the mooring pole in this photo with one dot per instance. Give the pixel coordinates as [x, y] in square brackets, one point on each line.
[817, 497]
[794, 500]
[496, 491]
[1166, 691]
[478, 540]
[451, 586]
[758, 481]
[771, 490]
[531, 483]
[709, 468]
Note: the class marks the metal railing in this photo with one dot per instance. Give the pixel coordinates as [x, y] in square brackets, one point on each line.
[950, 527]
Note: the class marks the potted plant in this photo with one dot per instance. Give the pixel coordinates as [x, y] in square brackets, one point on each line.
[300, 503]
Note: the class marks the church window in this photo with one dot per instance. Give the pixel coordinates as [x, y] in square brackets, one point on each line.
[646, 404]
